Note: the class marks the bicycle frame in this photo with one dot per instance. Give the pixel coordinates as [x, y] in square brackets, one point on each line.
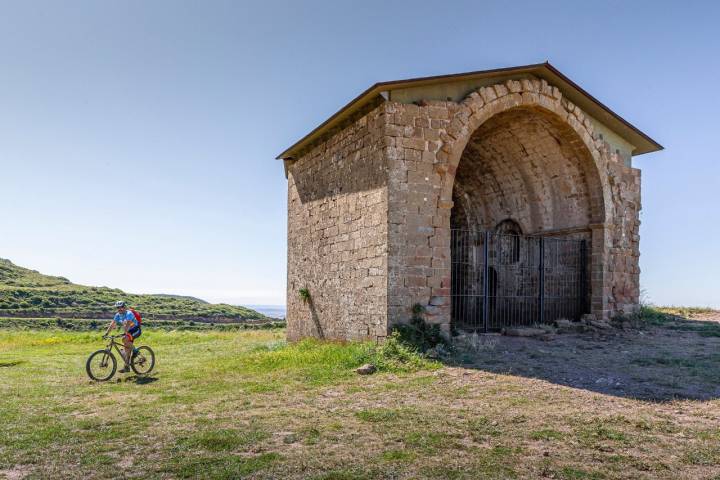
[118, 347]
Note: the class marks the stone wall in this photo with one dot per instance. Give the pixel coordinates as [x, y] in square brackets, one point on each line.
[534, 158]
[624, 245]
[337, 235]
[370, 207]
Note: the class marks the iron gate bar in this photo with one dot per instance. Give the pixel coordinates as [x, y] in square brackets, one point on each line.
[486, 283]
[542, 281]
[515, 280]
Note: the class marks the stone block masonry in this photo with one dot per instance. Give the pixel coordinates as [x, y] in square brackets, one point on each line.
[337, 235]
[371, 205]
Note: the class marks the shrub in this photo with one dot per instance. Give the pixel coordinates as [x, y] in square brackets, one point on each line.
[396, 355]
[418, 333]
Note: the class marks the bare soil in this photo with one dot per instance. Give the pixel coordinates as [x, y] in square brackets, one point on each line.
[678, 359]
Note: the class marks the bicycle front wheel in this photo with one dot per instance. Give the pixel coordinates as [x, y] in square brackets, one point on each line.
[101, 365]
[143, 360]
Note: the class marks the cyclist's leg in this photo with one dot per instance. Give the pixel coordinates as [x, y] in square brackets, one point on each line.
[128, 342]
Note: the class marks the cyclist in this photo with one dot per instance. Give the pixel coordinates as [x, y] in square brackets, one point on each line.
[126, 318]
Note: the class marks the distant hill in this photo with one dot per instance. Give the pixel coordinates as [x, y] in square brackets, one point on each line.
[180, 297]
[25, 292]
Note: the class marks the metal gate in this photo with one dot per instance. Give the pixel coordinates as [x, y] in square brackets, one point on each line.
[501, 280]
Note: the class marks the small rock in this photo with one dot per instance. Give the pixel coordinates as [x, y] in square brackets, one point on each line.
[438, 301]
[524, 332]
[563, 323]
[600, 324]
[367, 369]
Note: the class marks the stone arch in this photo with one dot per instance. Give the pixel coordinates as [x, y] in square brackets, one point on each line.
[494, 108]
[530, 94]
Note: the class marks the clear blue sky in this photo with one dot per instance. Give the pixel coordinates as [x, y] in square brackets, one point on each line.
[137, 138]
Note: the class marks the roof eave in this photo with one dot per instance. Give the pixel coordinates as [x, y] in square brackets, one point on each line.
[643, 142]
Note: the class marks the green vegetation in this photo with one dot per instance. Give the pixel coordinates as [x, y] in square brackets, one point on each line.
[304, 294]
[25, 292]
[245, 403]
[679, 319]
[418, 333]
[685, 311]
[86, 324]
[205, 391]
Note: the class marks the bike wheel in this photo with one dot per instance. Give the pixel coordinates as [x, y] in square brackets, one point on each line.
[143, 360]
[101, 365]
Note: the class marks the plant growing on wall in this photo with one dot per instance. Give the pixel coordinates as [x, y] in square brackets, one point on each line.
[304, 294]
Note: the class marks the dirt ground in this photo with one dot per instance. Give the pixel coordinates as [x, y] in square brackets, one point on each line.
[676, 359]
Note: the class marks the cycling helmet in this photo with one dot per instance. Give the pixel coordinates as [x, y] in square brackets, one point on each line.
[119, 304]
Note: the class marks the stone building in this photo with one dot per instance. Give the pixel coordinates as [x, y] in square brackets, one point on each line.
[490, 198]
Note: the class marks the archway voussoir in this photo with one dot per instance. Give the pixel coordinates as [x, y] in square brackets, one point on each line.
[488, 94]
[530, 98]
[528, 85]
[579, 115]
[514, 86]
[474, 101]
[500, 90]
[511, 100]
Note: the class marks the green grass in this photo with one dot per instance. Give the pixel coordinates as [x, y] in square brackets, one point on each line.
[221, 466]
[246, 403]
[546, 434]
[85, 324]
[186, 413]
[679, 319]
[28, 292]
[684, 311]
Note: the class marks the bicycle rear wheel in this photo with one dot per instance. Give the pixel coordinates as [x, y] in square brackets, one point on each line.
[143, 360]
[101, 365]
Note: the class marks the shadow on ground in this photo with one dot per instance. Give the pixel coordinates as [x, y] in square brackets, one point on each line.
[141, 380]
[670, 358]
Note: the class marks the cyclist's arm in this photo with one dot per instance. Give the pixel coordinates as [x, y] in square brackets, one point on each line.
[127, 323]
[110, 327]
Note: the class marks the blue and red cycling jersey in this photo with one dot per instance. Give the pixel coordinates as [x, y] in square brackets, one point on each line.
[128, 316]
[134, 331]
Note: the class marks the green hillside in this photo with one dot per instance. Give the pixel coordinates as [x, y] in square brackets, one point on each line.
[25, 292]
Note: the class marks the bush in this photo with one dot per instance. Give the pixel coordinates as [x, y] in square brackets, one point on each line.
[419, 334]
[395, 355]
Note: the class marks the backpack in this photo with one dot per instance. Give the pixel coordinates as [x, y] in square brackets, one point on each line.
[137, 316]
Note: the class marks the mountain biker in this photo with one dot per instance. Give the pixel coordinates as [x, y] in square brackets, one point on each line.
[126, 319]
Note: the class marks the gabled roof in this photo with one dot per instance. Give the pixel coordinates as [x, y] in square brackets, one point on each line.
[382, 91]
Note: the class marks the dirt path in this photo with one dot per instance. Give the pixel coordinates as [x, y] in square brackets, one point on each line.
[678, 359]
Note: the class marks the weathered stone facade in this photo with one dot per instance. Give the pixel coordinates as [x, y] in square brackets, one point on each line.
[337, 235]
[370, 206]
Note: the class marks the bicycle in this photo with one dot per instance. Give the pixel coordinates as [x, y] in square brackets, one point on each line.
[101, 365]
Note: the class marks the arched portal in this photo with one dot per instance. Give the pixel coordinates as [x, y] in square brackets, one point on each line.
[527, 165]
[526, 195]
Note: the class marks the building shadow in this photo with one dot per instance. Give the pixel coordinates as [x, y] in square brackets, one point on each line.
[678, 358]
[316, 319]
